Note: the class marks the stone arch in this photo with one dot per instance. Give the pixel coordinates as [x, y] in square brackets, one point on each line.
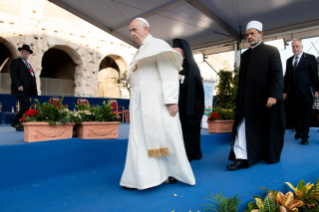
[61, 65]
[7, 53]
[111, 71]
[14, 51]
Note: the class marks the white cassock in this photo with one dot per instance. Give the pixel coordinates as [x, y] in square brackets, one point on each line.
[240, 148]
[154, 83]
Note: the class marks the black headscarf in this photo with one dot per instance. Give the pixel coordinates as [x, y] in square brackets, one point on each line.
[193, 74]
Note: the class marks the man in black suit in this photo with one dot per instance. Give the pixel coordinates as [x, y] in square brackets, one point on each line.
[23, 83]
[300, 86]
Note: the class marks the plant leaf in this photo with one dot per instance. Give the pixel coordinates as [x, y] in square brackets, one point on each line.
[269, 204]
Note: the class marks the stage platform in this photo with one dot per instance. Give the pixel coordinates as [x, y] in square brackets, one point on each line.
[83, 175]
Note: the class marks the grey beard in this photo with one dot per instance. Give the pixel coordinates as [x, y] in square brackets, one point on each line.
[253, 43]
[24, 58]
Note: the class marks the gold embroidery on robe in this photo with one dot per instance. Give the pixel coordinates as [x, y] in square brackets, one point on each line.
[157, 153]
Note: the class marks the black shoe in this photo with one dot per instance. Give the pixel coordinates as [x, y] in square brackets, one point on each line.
[298, 135]
[171, 180]
[14, 125]
[239, 164]
[127, 188]
[304, 141]
[19, 128]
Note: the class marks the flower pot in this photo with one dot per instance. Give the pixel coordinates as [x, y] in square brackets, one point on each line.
[220, 126]
[98, 130]
[42, 131]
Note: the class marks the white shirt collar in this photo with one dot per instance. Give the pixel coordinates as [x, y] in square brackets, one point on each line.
[252, 47]
[299, 56]
[146, 40]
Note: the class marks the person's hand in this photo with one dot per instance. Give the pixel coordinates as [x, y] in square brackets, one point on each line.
[271, 101]
[172, 109]
[20, 88]
[180, 77]
[285, 96]
[316, 94]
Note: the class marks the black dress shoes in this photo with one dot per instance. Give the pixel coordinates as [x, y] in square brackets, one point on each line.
[17, 126]
[239, 164]
[171, 180]
[304, 141]
[298, 135]
[127, 188]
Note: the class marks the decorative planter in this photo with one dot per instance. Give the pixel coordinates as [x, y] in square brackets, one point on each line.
[220, 126]
[98, 130]
[42, 131]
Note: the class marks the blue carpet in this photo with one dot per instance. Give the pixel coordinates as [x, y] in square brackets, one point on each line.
[83, 175]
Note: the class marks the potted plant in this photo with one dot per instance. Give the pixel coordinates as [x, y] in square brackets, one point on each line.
[98, 122]
[220, 120]
[47, 122]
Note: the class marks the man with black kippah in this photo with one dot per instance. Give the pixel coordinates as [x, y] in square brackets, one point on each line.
[23, 83]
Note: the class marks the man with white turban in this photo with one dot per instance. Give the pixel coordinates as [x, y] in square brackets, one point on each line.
[259, 127]
[156, 150]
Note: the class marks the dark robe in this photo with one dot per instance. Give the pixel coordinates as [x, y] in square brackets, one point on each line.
[191, 102]
[260, 77]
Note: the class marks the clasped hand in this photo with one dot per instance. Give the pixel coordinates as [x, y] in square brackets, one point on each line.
[172, 109]
[271, 101]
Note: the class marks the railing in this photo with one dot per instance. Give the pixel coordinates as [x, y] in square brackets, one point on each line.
[49, 86]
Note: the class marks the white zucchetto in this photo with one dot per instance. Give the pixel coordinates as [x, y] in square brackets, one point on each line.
[144, 21]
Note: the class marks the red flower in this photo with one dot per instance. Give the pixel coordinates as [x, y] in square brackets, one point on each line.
[22, 119]
[28, 112]
[31, 112]
[215, 115]
[115, 112]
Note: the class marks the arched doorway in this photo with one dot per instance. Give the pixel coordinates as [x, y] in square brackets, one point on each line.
[58, 71]
[113, 69]
[7, 54]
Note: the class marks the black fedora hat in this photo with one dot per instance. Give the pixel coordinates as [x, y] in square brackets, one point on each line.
[26, 47]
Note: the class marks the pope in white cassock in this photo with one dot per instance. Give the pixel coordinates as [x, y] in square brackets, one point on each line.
[156, 150]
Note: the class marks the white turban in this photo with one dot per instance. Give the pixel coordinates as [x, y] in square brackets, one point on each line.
[255, 25]
[144, 21]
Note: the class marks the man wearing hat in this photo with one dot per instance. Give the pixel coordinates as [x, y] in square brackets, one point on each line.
[23, 83]
[191, 100]
[259, 127]
[156, 151]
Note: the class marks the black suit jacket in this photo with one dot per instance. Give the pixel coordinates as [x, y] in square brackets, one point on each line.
[20, 75]
[298, 82]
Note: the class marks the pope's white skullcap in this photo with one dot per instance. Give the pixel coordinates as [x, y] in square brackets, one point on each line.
[255, 25]
[144, 21]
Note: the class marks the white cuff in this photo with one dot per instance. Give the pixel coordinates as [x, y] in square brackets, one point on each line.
[170, 92]
[182, 81]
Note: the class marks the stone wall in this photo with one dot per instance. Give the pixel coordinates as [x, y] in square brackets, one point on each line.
[43, 26]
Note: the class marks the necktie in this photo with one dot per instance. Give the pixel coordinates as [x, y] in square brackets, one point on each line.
[296, 63]
[30, 69]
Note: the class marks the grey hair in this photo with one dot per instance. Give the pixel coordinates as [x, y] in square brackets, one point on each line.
[297, 39]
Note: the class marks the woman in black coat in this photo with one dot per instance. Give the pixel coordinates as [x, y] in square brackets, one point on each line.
[191, 100]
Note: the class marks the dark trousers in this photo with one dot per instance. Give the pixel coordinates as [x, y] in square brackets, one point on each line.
[25, 104]
[301, 108]
[191, 135]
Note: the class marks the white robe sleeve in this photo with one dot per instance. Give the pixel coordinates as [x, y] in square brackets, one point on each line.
[169, 75]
